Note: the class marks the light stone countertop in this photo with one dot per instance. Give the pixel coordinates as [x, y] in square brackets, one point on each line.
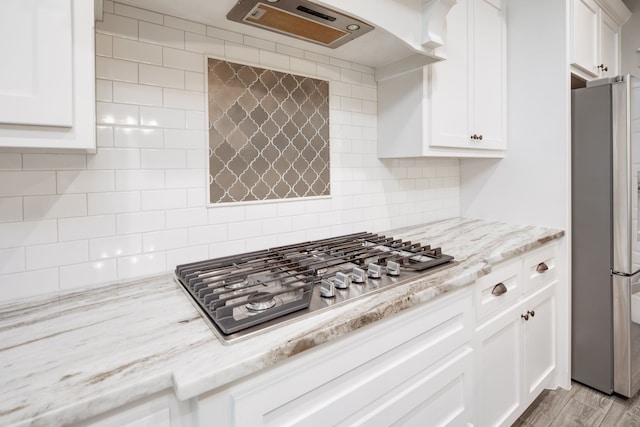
[68, 357]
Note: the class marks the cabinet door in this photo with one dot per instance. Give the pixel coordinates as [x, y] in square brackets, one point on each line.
[498, 345]
[584, 36]
[36, 71]
[609, 46]
[539, 351]
[450, 86]
[489, 96]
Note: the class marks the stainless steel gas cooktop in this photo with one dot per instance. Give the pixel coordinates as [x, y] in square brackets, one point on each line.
[246, 294]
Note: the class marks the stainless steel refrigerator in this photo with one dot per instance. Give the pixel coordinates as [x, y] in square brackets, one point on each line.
[605, 270]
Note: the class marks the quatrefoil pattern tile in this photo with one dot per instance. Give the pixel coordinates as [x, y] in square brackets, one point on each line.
[268, 134]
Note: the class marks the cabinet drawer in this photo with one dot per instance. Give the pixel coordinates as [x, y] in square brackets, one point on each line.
[540, 268]
[498, 289]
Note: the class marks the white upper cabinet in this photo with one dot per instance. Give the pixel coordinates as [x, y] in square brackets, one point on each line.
[456, 107]
[595, 37]
[47, 80]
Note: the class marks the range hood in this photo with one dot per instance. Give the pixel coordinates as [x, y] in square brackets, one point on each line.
[405, 34]
[300, 19]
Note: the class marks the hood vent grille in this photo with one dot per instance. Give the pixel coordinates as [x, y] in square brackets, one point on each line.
[300, 19]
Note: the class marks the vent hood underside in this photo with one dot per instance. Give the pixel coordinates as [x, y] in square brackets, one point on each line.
[408, 33]
[300, 19]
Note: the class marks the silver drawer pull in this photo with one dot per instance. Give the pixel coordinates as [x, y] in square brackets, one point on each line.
[499, 289]
[542, 267]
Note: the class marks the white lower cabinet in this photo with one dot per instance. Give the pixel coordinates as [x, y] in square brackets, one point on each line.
[516, 346]
[160, 410]
[413, 369]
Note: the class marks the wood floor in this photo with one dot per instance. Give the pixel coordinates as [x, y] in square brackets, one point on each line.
[580, 406]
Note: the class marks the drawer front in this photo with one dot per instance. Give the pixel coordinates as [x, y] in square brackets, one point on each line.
[498, 289]
[341, 381]
[540, 268]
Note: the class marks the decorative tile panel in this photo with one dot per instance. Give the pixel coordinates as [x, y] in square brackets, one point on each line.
[268, 134]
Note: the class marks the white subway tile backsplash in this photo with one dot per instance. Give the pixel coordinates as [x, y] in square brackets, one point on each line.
[140, 222]
[104, 90]
[184, 139]
[104, 136]
[54, 161]
[132, 137]
[245, 230]
[28, 283]
[274, 60]
[163, 159]
[158, 34]
[162, 117]
[194, 81]
[14, 234]
[116, 246]
[88, 273]
[207, 234]
[12, 260]
[183, 99]
[117, 25]
[104, 45]
[128, 93]
[130, 180]
[57, 254]
[114, 158]
[85, 181]
[204, 44]
[190, 217]
[184, 178]
[140, 14]
[117, 114]
[159, 76]
[242, 53]
[139, 205]
[165, 239]
[142, 265]
[293, 52]
[59, 206]
[164, 199]
[181, 24]
[195, 120]
[116, 69]
[112, 203]
[132, 50]
[185, 255]
[26, 183]
[219, 33]
[177, 58]
[10, 161]
[10, 209]
[259, 43]
[86, 227]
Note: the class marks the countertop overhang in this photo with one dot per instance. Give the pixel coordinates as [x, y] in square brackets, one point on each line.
[67, 357]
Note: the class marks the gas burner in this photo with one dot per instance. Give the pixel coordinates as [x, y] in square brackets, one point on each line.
[242, 295]
[261, 301]
[236, 285]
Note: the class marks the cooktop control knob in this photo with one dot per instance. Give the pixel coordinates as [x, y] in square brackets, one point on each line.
[375, 271]
[342, 281]
[393, 268]
[357, 275]
[327, 288]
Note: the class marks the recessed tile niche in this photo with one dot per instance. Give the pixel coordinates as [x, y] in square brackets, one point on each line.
[268, 134]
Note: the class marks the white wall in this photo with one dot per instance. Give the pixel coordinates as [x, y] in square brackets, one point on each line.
[531, 184]
[630, 55]
[137, 207]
